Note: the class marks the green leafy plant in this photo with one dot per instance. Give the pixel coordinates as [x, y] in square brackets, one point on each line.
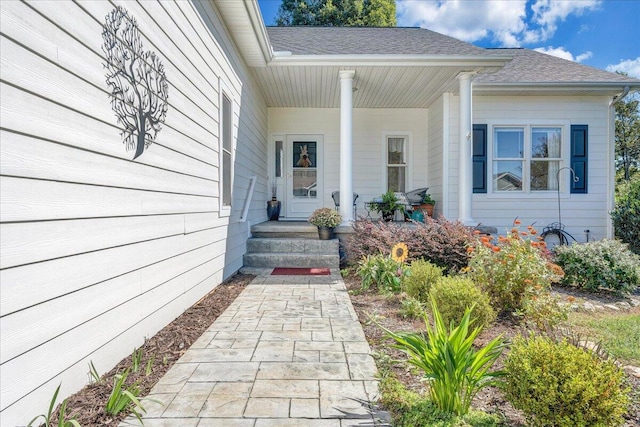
[428, 200]
[124, 398]
[421, 276]
[454, 370]
[453, 295]
[62, 414]
[381, 272]
[602, 264]
[136, 359]
[149, 369]
[325, 217]
[94, 376]
[558, 384]
[513, 270]
[388, 204]
[411, 308]
[626, 214]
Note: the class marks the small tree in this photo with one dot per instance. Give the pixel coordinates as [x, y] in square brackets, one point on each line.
[628, 136]
[139, 88]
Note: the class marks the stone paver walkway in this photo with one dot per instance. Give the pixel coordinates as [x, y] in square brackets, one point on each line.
[289, 351]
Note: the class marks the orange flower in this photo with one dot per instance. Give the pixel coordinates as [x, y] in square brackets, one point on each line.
[495, 249]
[470, 249]
[571, 298]
[517, 222]
[524, 233]
[502, 239]
[533, 232]
[528, 281]
[512, 256]
[484, 239]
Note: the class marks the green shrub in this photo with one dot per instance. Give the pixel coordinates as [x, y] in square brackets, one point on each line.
[513, 270]
[419, 279]
[558, 384]
[543, 312]
[410, 409]
[412, 308]
[381, 272]
[454, 370]
[439, 241]
[454, 295]
[602, 264]
[626, 214]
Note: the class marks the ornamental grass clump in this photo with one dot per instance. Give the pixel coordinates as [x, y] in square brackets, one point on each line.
[512, 271]
[558, 384]
[455, 371]
[600, 265]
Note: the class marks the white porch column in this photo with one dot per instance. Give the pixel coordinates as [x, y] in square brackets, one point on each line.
[465, 185]
[346, 145]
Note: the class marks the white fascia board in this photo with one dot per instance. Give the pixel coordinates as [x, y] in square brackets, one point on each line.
[473, 62]
[259, 29]
[604, 87]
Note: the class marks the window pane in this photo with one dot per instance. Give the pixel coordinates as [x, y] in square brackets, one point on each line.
[396, 178]
[545, 142]
[226, 123]
[544, 175]
[279, 156]
[507, 175]
[508, 143]
[305, 183]
[304, 155]
[226, 178]
[395, 151]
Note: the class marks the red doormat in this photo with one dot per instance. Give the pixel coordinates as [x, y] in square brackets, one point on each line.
[284, 271]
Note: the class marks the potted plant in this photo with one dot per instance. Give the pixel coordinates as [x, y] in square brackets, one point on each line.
[273, 205]
[428, 204]
[387, 205]
[326, 220]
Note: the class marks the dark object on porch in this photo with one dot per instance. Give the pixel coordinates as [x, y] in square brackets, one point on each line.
[273, 209]
[336, 200]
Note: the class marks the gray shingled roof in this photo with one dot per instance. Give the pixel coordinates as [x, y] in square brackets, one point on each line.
[367, 41]
[529, 66]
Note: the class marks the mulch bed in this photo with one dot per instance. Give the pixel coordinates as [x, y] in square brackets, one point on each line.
[164, 348]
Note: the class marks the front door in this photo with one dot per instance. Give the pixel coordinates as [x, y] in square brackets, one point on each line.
[304, 175]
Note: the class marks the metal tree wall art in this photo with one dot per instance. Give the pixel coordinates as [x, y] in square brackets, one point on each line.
[139, 89]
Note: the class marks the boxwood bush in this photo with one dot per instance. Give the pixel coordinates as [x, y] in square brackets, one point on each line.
[455, 294]
[558, 384]
[419, 279]
[602, 264]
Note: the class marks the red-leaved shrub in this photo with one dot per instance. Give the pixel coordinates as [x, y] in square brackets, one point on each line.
[439, 241]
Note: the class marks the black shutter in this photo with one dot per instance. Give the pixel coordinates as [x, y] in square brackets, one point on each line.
[579, 157]
[479, 158]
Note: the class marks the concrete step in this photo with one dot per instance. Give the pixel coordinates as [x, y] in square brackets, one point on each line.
[291, 245]
[272, 260]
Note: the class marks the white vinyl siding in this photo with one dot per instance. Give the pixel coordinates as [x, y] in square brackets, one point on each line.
[99, 251]
[579, 211]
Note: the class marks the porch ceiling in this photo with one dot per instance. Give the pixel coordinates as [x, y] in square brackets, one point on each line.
[318, 86]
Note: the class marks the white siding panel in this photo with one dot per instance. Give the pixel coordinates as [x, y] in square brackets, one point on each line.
[578, 211]
[89, 237]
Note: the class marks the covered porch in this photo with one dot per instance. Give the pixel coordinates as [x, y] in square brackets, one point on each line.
[371, 125]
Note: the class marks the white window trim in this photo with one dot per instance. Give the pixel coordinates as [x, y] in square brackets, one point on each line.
[408, 156]
[225, 90]
[564, 126]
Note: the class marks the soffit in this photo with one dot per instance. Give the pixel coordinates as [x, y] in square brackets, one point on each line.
[376, 86]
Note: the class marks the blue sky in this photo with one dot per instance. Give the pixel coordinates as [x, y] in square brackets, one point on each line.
[600, 33]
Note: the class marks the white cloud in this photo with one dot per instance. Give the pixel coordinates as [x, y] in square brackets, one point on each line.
[561, 52]
[503, 21]
[629, 66]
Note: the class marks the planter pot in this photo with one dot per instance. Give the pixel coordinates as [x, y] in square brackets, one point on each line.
[273, 210]
[325, 233]
[427, 209]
